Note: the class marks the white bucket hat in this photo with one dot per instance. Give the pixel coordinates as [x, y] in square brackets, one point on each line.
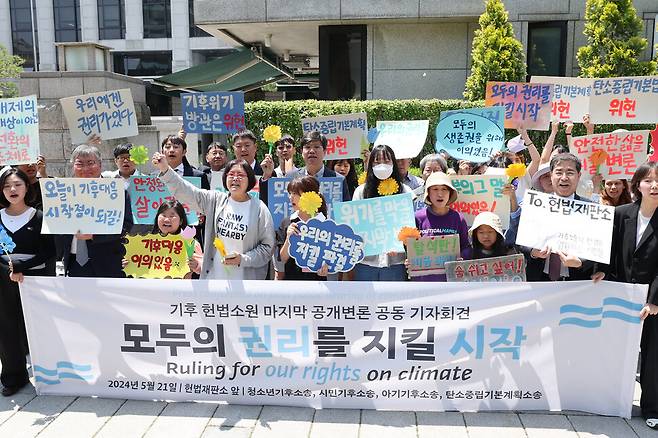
[487, 218]
[440, 179]
[541, 171]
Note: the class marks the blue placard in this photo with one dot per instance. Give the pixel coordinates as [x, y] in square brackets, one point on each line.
[148, 192]
[473, 134]
[325, 242]
[215, 112]
[6, 243]
[279, 203]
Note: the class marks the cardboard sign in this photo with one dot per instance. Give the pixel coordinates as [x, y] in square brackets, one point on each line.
[478, 193]
[82, 205]
[109, 114]
[215, 112]
[621, 101]
[505, 268]
[148, 192]
[406, 137]
[570, 97]
[325, 242]
[623, 153]
[583, 229]
[156, 256]
[471, 134]
[377, 220]
[527, 105]
[19, 131]
[347, 134]
[428, 255]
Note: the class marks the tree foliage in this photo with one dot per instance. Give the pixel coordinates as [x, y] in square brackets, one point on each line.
[10, 67]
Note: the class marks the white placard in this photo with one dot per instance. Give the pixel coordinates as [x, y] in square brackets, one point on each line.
[626, 100]
[405, 137]
[347, 134]
[570, 97]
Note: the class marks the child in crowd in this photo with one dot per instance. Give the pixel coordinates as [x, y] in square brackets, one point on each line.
[487, 237]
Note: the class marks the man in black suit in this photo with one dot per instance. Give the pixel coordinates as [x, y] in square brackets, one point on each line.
[174, 149]
[216, 157]
[244, 147]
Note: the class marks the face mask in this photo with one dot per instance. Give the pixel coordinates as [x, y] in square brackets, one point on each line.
[382, 171]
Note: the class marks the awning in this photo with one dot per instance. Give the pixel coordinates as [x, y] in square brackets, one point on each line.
[245, 70]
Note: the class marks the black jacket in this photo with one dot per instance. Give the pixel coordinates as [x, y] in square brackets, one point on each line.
[327, 173]
[189, 170]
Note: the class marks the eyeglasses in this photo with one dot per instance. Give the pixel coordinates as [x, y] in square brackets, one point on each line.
[80, 164]
[123, 158]
[236, 176]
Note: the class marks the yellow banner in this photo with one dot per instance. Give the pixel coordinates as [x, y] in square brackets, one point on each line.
[156, 256]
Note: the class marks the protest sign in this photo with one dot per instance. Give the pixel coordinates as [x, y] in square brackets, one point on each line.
[346, 134]
[615, 155]
[325, 242]
[82, 205]
[405, 137]
[389, 345]
[478, 193]
[377, 220]
[148, 192]
[19, 130]
[156, 256]
[621, 101]
[583, 229]
[278, 202]
[527, 105]
[109, 114]
[427, 255]
[570, 97]
[473, 134]
[214, 112]
[505, 268]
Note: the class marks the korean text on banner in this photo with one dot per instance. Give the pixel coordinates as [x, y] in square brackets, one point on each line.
[378, 220]
[279, 204]
[428, 255]
[570, 97]
[527, 105]
[346, 134]
[322, 344]
[216, 112]
[19, 130]
[148, 192]
[583, 229]
[615, 155]
[156, 256]
[624, 100]
[478, 193]
[472, 134]
[504, 268]
[405, 137]
[82, 205]
[109, 114]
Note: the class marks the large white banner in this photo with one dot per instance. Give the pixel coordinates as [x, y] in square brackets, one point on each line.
[385, 345]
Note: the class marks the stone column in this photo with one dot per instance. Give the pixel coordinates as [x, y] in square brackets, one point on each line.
[46, 33]
[181, 57]
[89, 20]
[134, 20]
[5, 25]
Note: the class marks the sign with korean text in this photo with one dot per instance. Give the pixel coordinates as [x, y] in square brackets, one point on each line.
[428, 255]
[583, 229]
[405, 137]
[82, 205]
[19, 130]
[478, 193]
[214, 112]
[346, 134]
[473, 134]
[624, 100]
[570, 97]
[395, 346]
[505, 268]
[378, 220]
[108, 114]
[323, 242]
[148, 192]
[526, 104]
[615, 155]
[156, 256]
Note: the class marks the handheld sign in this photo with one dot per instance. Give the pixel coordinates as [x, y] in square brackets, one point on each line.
[471, 135]
[215, 112]
[148, 192]
[19, 131]
[478, 193]
[505, 268]
[346, 134]
[583, 229]
[156, 256]
[325, 242]
[527, 105]
[109, 114]
[570, 97]
[82, 205]
[427, 255]
[406, 137]
[615, 155]
[621, 101]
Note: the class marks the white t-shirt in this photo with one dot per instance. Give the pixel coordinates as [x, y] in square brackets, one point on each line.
[13, 223]
[231, 228]
[642, 223]
[216, 180]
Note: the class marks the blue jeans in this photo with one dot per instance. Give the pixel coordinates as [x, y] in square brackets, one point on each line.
[370, 273]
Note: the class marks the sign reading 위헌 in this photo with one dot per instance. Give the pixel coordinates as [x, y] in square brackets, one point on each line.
[526, 104]
[428, 255]
[624, 100]
[215, 112]
[505, 268]
[570, 97]
[472, 134]
[148, 192]
[615, 155]
[19, 130]
[346, 134]
[156, 256]
[478, 193]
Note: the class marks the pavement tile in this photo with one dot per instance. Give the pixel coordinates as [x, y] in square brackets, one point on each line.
[595, 426]
[377, 424]
[10, 405]
[133, 419]
[441, 424]
[640, 428]
[490, 424]
[286, 422]
[547, 426]
[182, 420]
[332, 423]
[34, 416]
[82, 418]
[242, 416]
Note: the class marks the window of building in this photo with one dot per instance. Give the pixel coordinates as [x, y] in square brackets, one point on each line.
[547, 48]
[157, 18]
[343, 62]
[111, 19]
[21, 32]
[67, 20]
[195, 31]
[142, 63]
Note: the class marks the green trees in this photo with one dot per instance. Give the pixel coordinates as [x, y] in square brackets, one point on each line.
[10, 67]
[497, 55]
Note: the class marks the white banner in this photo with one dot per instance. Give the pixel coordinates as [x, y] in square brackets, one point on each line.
[570, 97]
[384, 345]
[627, 100]
[347, 134]
[405, 137]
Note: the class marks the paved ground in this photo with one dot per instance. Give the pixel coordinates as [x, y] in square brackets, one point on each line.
[29, 415]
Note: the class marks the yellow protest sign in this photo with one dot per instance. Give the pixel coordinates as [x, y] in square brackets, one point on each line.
[156, 256]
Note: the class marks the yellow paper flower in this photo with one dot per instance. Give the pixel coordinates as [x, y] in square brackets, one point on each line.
[220, 246]
[408, 232]
[362, 178]
[598, 157]
[272, 134]
[388, 187]
[310, 203]
[515, 170]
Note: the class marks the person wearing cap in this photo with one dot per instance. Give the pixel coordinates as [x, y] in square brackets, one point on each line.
[487, 237]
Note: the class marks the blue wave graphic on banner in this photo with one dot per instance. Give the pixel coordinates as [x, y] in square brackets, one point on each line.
[63, 370]
[602, 312]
